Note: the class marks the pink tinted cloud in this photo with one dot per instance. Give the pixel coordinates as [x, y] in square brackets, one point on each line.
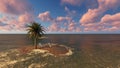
[63, 30]
[112, 29]
[16, 14]
[14, 24]
[58, 24]
[14, 6]
[92, 20]
[94, 27]
[107, 23]
[78, 29]
[61, 19]
[45, 16]
[11, 25]
[93, 15]
[71, 26]
[26, 18]
[108, 4]
[3, 19]
[5, 28]
[54, 27]
[110, 18]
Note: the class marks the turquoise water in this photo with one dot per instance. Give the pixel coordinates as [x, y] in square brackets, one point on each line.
[90, 51]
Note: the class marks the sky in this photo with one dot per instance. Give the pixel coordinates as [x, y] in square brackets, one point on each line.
[61, 16]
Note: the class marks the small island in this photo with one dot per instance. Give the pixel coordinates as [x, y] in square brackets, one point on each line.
[13, 57]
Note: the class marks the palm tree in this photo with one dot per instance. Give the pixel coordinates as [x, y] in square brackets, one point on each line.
[35, 31]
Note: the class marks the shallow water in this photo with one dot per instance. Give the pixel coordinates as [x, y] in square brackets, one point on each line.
[90, 51]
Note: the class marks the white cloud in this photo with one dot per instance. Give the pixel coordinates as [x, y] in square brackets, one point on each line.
[45, 16]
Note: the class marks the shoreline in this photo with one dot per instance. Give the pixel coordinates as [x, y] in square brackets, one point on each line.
[51, 48]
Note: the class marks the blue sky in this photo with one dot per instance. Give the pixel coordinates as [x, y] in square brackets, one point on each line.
[61, 16]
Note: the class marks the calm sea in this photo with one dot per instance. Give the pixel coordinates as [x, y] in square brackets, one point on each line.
[90, 51]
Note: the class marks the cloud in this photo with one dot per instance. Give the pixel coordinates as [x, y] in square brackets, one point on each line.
[96, 20]
[45, 16]
[78, 29]
[94, 15]
[14, 23]
[3, 19]
[10, 26]
[71, 26]
[54, 27]
[62, 19]
[2, 24]
[107, 23]
[108, 4]
[60, 23]
[113, 29]
[15, 14]
[14, 6]
[94, 27]
[70, 13]
[5, 28]
[26, 18]
[110, 18]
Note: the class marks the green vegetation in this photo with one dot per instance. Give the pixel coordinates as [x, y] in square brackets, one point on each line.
[35, 31]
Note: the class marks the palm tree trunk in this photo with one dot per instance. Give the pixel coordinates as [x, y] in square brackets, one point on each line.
[35, 43]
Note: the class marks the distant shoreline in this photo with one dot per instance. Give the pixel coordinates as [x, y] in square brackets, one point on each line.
[114, 33]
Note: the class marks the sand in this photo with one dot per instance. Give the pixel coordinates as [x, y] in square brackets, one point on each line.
[14, 56]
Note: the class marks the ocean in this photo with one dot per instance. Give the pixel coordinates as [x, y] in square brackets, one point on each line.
[90, 50]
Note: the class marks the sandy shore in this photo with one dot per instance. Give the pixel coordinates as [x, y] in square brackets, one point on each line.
[9, 58]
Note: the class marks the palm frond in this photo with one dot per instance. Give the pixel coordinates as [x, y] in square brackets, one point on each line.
[35, 30]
